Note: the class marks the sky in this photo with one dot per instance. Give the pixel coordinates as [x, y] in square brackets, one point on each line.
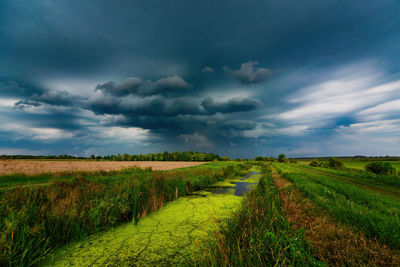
[236, 78]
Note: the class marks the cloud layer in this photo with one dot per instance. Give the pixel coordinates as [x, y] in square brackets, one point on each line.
[317, 78]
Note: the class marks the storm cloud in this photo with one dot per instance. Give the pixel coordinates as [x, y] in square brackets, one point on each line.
[249, 73]
[136, 77]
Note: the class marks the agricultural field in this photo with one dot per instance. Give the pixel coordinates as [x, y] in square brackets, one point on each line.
[44, 166]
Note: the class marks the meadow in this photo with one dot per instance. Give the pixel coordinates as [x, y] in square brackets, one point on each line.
[356, 163]
[293, 215]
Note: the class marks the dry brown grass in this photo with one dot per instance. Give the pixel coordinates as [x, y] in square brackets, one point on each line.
[43, 166]
[333, 243]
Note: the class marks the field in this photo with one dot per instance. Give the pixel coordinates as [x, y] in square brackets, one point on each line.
[358, 164]
[221, 213]
[43, 166]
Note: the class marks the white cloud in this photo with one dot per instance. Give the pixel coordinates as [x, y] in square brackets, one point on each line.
[21, 151]
[118, 134]
[23, 131]
[352, 91]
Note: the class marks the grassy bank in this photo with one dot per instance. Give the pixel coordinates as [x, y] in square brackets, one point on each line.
[375, 214]
[258, 234]
[36, 219]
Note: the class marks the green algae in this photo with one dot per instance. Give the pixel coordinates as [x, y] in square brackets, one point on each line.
[173, 235]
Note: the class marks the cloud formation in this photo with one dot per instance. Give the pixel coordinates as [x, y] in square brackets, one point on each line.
[249, 73]
[207, 70]
[64, 72]
[135, 85]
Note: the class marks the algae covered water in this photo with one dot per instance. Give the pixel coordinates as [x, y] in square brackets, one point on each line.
[173, 235]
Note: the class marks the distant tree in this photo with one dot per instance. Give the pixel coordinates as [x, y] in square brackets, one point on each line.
[380, 168]
[334, 163]
[259, 158]
[282, 158]
[315, 163]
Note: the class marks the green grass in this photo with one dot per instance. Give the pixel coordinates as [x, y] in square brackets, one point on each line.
[360, 164]
[373, 213]
[354, 163]
[36, 219]
[258, 234]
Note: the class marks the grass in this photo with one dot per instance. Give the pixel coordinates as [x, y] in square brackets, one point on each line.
[37, 219]
[258, 234]
[375, 214]
[357, 164]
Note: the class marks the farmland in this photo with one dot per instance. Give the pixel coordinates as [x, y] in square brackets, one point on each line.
[44, 166]
[226, 213]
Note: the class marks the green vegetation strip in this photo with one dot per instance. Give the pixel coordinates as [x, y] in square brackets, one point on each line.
[375, 214]
[379, 183]
[34, 220]
[258, 234]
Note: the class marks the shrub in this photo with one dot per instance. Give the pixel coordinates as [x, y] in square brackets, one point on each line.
[330, 163]
[334, 163]
[315, 163]
[282, 158]
[380, 168]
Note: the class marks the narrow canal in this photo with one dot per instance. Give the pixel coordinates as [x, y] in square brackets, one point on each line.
[171, 236]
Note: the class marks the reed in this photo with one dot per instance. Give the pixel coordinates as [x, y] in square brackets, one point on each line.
[258, 234]
[37, 219]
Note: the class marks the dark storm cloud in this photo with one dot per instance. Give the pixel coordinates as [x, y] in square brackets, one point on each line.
[236, 104]
[129, 86]
[249, 73]
[167, 107]
[239, 125]
[135, 85]
[24, 104]
[56, 98]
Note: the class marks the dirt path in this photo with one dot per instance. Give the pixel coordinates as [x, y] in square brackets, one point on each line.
[42, 166]
[333, 243]
[171, 236]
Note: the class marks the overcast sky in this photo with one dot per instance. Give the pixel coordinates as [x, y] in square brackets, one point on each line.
[237, 78]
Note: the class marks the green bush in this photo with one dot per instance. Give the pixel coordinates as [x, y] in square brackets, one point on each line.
[282, 158]
[334, 163]
[330, 163]
[380, 168]
[315, 163]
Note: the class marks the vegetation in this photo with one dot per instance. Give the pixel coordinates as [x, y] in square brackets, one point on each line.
[36, 219]
[374, 213]
[166, 156]
[282, 158]
[380, 168]
[329, 163]
[258, 234]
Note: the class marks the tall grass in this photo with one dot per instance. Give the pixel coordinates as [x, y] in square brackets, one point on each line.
[258, 234]
[37, 219]
[375, 214]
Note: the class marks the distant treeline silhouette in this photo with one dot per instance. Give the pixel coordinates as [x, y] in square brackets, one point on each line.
[165, 156]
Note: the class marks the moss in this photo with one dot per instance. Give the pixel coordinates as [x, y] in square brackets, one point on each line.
[170, 236]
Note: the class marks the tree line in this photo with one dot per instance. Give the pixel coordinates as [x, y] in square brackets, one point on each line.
[165, 156]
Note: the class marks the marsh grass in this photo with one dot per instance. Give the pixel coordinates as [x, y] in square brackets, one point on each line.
[258, 234]
[37, 219]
